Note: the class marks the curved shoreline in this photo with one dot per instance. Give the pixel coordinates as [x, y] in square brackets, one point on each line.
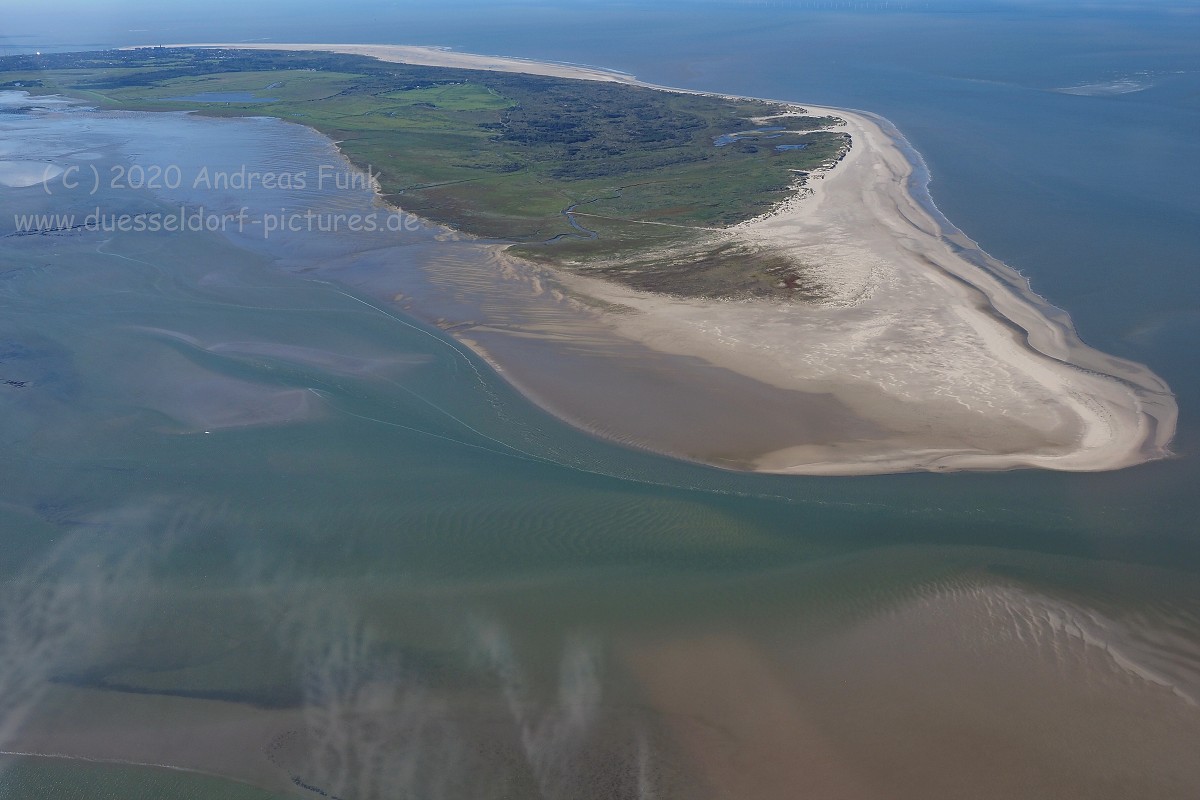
[1048, 329]
[962, 328]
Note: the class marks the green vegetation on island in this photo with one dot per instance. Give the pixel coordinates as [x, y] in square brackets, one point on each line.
[620, 181]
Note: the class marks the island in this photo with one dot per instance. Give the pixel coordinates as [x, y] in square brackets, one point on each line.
[816, 313]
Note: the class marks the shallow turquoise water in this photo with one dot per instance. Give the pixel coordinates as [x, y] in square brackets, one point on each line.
[405, 578]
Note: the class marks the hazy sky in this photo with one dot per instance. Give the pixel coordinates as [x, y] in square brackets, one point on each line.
[107, 22]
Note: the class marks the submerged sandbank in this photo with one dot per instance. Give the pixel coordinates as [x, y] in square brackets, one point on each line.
[926, 355]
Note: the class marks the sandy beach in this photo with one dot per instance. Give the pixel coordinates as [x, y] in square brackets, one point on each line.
[967, 366]
[443, 57]
[933, 355]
